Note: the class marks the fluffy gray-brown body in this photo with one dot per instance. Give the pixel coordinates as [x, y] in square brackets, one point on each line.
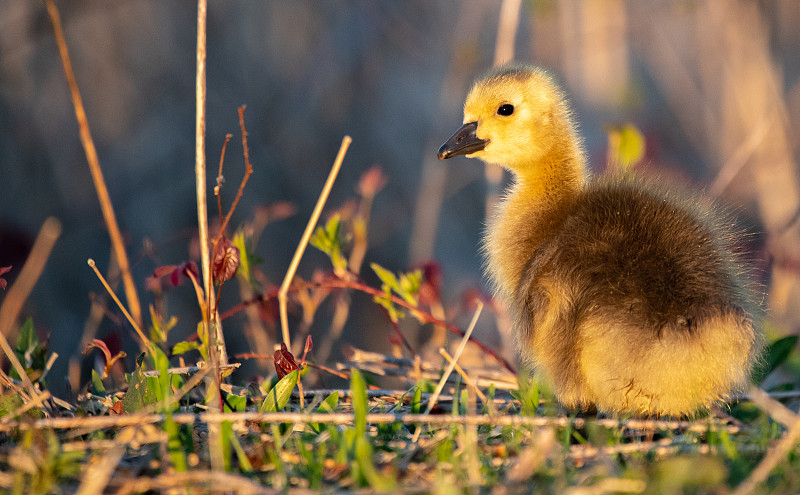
[627, 296]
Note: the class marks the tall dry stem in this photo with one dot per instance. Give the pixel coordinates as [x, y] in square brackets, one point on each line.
[312, 223]
[94, 167]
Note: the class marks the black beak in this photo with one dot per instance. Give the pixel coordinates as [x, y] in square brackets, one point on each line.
[463, 142]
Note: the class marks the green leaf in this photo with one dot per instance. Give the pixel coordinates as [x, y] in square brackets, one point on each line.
[527, 394]
[203, 335]
[182, 347]
[161, 387]
[159, 329]
[141, 391]
[358, 389]
[330, 403]
[27, 342]
[775, 354]
[97, 384]
[386, 276]
[406, 286]
[626, 145]
[386, 301]
[30, 352]
[244, 260]
[409, 286]
[329, 240]
[174, 444]
[9, 403]
[363, 454]
[416, 401]
[237, 402]
[326, 406]
[279, 396]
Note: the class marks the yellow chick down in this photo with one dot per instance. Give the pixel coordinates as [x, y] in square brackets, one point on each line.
[626, 295]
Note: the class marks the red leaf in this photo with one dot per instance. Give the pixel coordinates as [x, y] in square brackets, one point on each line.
[117, 408]
[309, 346]
[226, 261]
[371, 181]
[3, 270]
[175, 272]
[163, 270]
[284, 361]
[100, 345]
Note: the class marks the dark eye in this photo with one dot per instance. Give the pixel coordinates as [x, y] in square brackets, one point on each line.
[505, 110]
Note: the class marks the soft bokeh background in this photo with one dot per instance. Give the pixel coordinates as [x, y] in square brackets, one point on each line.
[714, 86]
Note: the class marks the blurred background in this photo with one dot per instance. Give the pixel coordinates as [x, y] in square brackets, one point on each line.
[713, 86]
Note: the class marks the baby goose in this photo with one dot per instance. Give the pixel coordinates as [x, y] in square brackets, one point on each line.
[625, 295]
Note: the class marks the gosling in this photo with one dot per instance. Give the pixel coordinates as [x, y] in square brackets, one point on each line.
[627, 296]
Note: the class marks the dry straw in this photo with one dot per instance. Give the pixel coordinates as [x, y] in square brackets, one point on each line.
[312, 222]
[94, 167]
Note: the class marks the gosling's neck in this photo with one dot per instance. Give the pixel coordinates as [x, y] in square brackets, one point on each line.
[532, 210]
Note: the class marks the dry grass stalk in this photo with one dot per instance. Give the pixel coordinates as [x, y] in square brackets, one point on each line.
[146, 344]
[779, 413]
[312, 222]
[461, 372]
[18, 293]
[94, 167]
[731, 168]
[213, 327]
[768, 463]
[775, 409]
[200, 142]
[385, 365]
[533, 457]
[202, 481]
[99, 422]
[452, 365]
[609, 485]
[449, 370]
[100, 469]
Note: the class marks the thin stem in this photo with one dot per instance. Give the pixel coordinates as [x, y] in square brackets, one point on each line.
[147, 344]
[220, 179]
[247, 173]
[312, 222]
[94, 167]
[443, 352]
[450, 366]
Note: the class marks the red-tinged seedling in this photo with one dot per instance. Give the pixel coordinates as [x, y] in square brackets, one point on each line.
[110, 360]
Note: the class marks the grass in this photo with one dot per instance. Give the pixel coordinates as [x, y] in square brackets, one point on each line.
[171, 427]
